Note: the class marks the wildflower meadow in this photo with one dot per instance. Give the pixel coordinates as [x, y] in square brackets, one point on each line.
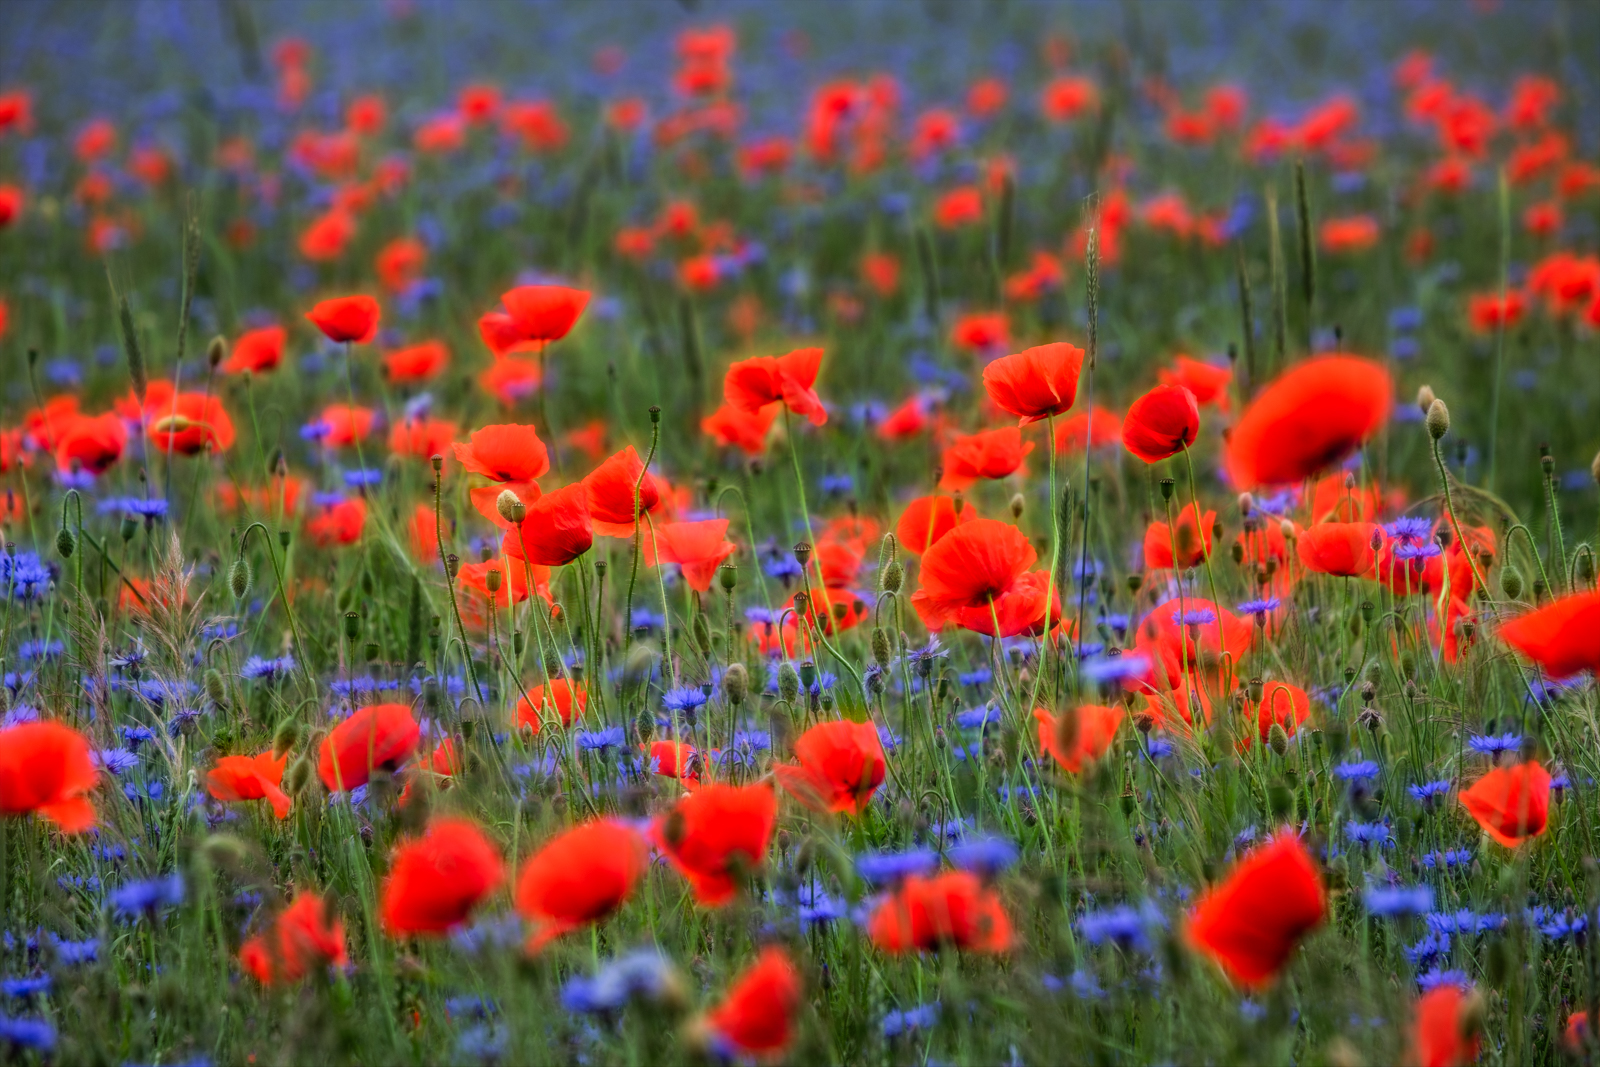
[852, 531]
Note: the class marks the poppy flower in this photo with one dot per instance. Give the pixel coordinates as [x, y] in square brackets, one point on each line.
[256, 351]
[734, 427]
[751, 384]
[611, 489]
[346, 319]
[341, 426]
[698, 548]
[379, 735]
[987, 454]
[91, 442]
[715, 834]
[1095, 428]
[1161, 423]
[568, 700]
[417, 363]
[326, 238]
[339, 524]
[1441, 1031]
[421, 437]
[756, 1016]
[952, 909]
[303, 937]
[881, 271]
[970, 566]
[961, 206]
[45, 767]
[400, 263]
[1079, 736]
[1207, 381]
[505, 453]
[436, 880]
[1562, 637]
[12, 200]
[982, 333]
[841, 764]
[1067, 97]
[555, 530]
[236, 778]
[675, 759]
[1190, 546]
[581, 876]
[1511, 804]
[1576, 1036]
[1188, 634]
[911, 418]
[188, 424]
[1343, 549]
[1309, 418]
[544, 313]
[1282, 705]
[1251, 921]
[1037, 382]
[838, 563]
[1355, 233]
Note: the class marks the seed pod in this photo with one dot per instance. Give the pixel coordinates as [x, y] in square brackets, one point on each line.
[518, 642]
[736, 683]
[808, 674]
[491, 580]
[239, 578]
[352, 625]
[285, 737]
[1017, 504]
[728, 576]
[788, 683]
[1167, 486]
[1438, 419]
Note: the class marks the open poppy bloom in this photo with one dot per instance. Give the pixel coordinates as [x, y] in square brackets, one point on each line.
[45, 767]
[970, 567]
[1189, 634]
[841, 765]
[436, 880]
[1283, 705]
[91, 442]
[1161, 423]
[751, 384]
[1095, 428]
[380, 735]
[1343, 549]
[567, 700]
[580, 876]
[1251, 921]
[544, 313]
[1442, 1032]
[421, 437]
[188, 424]
[952, 909]
[340, 524]
[1511, 804]
[928, 518]
[733, 427]
[756, 1016]
[1079, 735]
[1036, 383]
[303, 937]
[1163, 551]
[612, 489]
[416, 363]
[555, 530]
[716, 834]
[486, 499]
[256, 351]
[1207, 381]
[504, 453]
[1308, 419]
[698, 548]
[236, 778]
[346, 319]
[1562, 637]
[988, 454]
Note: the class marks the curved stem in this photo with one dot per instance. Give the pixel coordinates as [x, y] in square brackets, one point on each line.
[288, 609]
[450, 582]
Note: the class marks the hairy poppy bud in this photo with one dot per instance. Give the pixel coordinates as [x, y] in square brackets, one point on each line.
[225, 851]
[217, 351]
[1511, 582]
[302, 773]
[728, 577]
[1278, 739]
[1425, 398]
[1247, 503]
[216, 688]
[880, 646]
[894, 577]
[1438, 419]
[285, 736]
[239, 578]
[788, 683]
[702, 634]
[1238, 552]
[65, 543]
[1017, 504]
[506, 504]
[736, 683]
[1594, 468]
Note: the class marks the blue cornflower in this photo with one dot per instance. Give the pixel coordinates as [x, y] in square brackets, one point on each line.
[981, 676]
[24, 988]
[1123, 926]
[1437, 977]
[1195, 617]
[27, 1033]
[115, 760]
[1405, 319]
[921, 1017]
[986, 855]
[482, 1042]
[1429, 950]
[148, 896]
[1409, 528]
[39, 649]
[347, 687]
[1159, 747]
[645, 619]
[1114, 668]
[600, 740]
[1449, 859]
[357, 479]
[644, 973]
[74, 952]
[255, 667]
[882, 868]
[1464, 921]
[976, 717]
[23, 575]
[684, 700]
[469, 1006]
[180, 720]
[1259, 607]
[1428, 792]
[494, 931]
[1392, 901]
[783, 568]
[1494, 745]
[1356, 772]
[1417, 551]
[134, 736]
[837, 483]
[1564, 925]
[1367, 833]
[134, 505]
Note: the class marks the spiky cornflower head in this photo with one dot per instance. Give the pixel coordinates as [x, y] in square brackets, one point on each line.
[134, 736]
[1429, 793]
[883, 868]
[1368, 833]
[1392, 901]
[987, 856]
[148, 896]
[1356, 771]
[1494, 744]
[1259, 608]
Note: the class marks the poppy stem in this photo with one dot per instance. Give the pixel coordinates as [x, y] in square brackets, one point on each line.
[638, 485]
[1500, 329]
[1455, 524]
[449, 579]
[283, 595]
[1211, 578]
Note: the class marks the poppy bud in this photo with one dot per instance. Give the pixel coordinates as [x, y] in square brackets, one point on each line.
[1247, 503]
[1594, 468]
[736, 683]
[781, 729]
[284, 737]
[894, 577]
[225, 851]
[788, 683]
[302, 773]
[1585, 567]
[216, 351]
[239, 578]
[129, 528]
[518, 642]
[645, 726]
[1167, 485]
[216, 688]
[1511, 582]
[1238, 552]
[702, 634]
[506, 504]
[1134, 582]
[65, 543]
[728, 576]
[1425, 398]
[352, 625]
[1438, 419]
[1017, 504]
[1287, 528]
[1278, 739]
[880, 646]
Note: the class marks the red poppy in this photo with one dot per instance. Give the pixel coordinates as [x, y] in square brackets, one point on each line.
[1251, 921]
[841, 765]
[338, 524]
[1066, 97]
[544, 313]
[987, 454]
[556, 529]
[400, 263]
[475, 576]
[567, 700]
[756, 1016]
[1195, 640]
[1309, 418]
[1488, 312]
[303, 937]
[970, 567]
[735, 427]
[1511, 804]
[1442, 1035]
[436, 880]
[716, 833]
[326, 238]
[612, 489]
[839, 563]
[1035, 383]
[421, 437]
[1079, 736]
[1162, 423]
[505, 453]
[1357, 233]
[1162, 550]
[91, 442]
[952, 909]
[236, 778]
[188, 424]
[698, 548]
[417, 363]
[581, 876]
[256, 351]
[927, 519]
[1282, 705]
[1095, 428]
[12, 200]
[752, 384]
[961, 206]
[881, 271]
[43, 425]
[346, 319]
[1343, 549]
[380, 735]
[1207, 381]
[674, 759]
[1562, 637]
[341, 426]
[1576, 1036]
[45, 767]
[982, 333]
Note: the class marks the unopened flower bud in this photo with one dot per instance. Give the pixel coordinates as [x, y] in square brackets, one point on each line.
[788, 683]
[1017, 504]
[216, 688]
[894, 577]
[1277, 739]
[1438, 419]
[1247, 504]
[284, 737]
[1425, 398]
[736, 683]
[65, 543]
[225, 851]
[239, 578]
[217, 351]
[880, 646]
[301, 774]
[1511, 582]
[506, 504]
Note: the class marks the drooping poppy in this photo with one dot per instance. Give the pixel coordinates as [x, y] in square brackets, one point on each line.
[1188, 547]
[952, 909]
[1309, 418]
[1562, 637]
[346, 319]
[751, 384]
[505, 452]
[437, 880]
[377, 736]
[928, 518]
[841, 764]
[716, 833]
[1282, 705]
[91, 442]
[1252, 920]
[970, 567]
[555, 530]
[614, 487]
[188, 424]
[1511, 804]
[1161, 423]
[756, 1015]
[256, 351]
[45, 767]
[259, 777]
[732, 426]
[416, 363]
[544, 313]
[339, 524]
[988, 454]
[1443, 1034]
[568, 700]
[698, 548]
[579, 877]
[1035, 383]
[1343, 549]
[1078, 736]
[304, 936]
